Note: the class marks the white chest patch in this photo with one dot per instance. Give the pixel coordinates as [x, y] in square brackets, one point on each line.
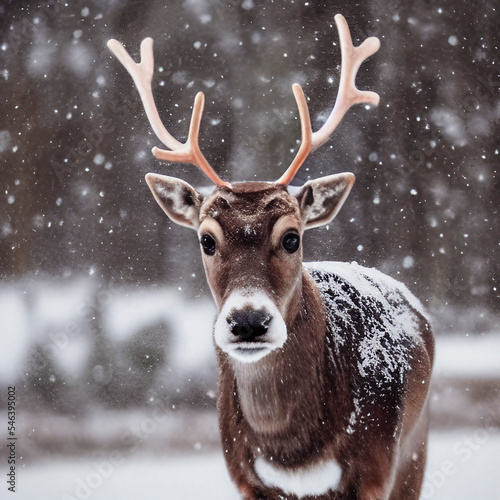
[315, 480]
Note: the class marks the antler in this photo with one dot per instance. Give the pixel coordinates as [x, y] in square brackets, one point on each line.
[348, 95]
[142, 74]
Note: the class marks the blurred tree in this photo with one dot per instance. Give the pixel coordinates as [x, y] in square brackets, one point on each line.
[45, 386]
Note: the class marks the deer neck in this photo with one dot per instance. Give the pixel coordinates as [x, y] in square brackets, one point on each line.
[283, 389]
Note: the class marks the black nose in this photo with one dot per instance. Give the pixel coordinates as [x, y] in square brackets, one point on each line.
[248, 323]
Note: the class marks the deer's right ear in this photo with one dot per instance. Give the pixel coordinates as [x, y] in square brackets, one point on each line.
[180, 201]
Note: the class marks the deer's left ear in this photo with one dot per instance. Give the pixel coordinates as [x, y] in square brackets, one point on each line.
[180, 201]
[321, 199]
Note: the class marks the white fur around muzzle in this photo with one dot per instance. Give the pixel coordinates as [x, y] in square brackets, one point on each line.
[249, 352]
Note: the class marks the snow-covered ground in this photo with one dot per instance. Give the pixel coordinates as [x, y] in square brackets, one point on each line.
[463, 461]
[463, 465]
[468, 356]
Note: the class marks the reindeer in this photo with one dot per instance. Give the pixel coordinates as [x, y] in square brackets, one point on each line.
[323, 368]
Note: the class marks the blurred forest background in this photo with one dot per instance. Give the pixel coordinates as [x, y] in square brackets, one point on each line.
[101, 296]
[75, 143]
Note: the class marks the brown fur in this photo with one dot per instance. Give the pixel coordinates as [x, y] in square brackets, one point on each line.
[293, 406]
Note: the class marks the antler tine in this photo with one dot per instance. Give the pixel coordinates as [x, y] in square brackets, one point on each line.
[142, 74]
[306, 143]
[190, 152]
[348, 95]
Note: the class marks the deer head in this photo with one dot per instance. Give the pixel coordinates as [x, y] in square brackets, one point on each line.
[250, 233]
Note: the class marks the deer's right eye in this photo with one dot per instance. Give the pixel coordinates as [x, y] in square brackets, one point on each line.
[208, 244]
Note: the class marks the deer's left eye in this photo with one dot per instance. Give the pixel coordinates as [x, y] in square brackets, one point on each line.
[291, 242]
[208, 244]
